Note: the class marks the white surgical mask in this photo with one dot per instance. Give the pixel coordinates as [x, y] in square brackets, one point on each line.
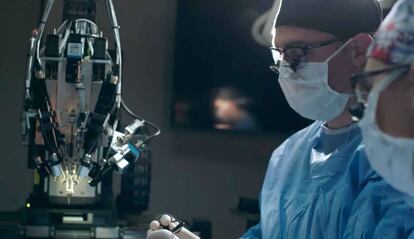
[392, 157]
[307, 90]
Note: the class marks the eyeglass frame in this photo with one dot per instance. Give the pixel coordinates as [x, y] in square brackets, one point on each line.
[275, 67]
[359, 91]
[356, 78]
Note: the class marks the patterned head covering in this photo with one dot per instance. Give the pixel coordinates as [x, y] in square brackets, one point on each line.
[394, 41]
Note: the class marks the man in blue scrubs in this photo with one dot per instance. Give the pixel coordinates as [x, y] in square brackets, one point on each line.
[315, 176]
[387, 128]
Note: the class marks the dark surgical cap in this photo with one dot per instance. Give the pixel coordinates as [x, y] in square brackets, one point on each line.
[343, 18]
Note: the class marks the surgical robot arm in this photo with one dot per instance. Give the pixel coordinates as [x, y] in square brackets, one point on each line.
[63, 73]
[73, 95]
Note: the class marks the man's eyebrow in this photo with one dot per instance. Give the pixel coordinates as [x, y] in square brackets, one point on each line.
[298, 43]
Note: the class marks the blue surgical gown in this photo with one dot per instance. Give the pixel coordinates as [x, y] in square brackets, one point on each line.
[312, 182]
[381, 212]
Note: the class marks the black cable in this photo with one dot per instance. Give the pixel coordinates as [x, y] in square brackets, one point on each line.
[178, 228]
[154, 126]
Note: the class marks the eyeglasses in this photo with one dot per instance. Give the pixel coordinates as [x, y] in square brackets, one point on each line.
[362, 85]
[294, 56]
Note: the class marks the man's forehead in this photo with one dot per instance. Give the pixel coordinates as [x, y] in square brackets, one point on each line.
[291, 35]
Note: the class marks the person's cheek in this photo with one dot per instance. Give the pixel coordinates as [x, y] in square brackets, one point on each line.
[405, 94]
[412, 98]
[395, 110]
[340, 72]
[336, 76]
[387, 111]
[411, 106]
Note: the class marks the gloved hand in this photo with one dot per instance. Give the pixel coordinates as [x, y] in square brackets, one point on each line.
[160, 234]
[167, 227]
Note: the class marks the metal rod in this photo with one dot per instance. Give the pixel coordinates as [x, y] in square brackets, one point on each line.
[41, 27]
[34, 46]
[118, 60]
[30, 66]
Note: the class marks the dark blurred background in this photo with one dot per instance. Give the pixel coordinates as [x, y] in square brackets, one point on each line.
[221, 76]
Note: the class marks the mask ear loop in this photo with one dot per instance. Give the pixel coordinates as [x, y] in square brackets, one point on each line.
[332, 56]
[338, 50]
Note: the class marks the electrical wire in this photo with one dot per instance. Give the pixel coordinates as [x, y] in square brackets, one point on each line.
[149, 123]
[65, 38]
[93, 27]
[41, 29]
[61, 27]
[118, 60]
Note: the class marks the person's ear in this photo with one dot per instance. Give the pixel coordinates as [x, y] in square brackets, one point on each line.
[360, 44]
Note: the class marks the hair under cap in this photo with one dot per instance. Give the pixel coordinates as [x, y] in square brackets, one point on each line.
[343, 18]
[394, 41]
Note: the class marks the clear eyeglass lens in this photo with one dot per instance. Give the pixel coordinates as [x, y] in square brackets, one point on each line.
[294, 56]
